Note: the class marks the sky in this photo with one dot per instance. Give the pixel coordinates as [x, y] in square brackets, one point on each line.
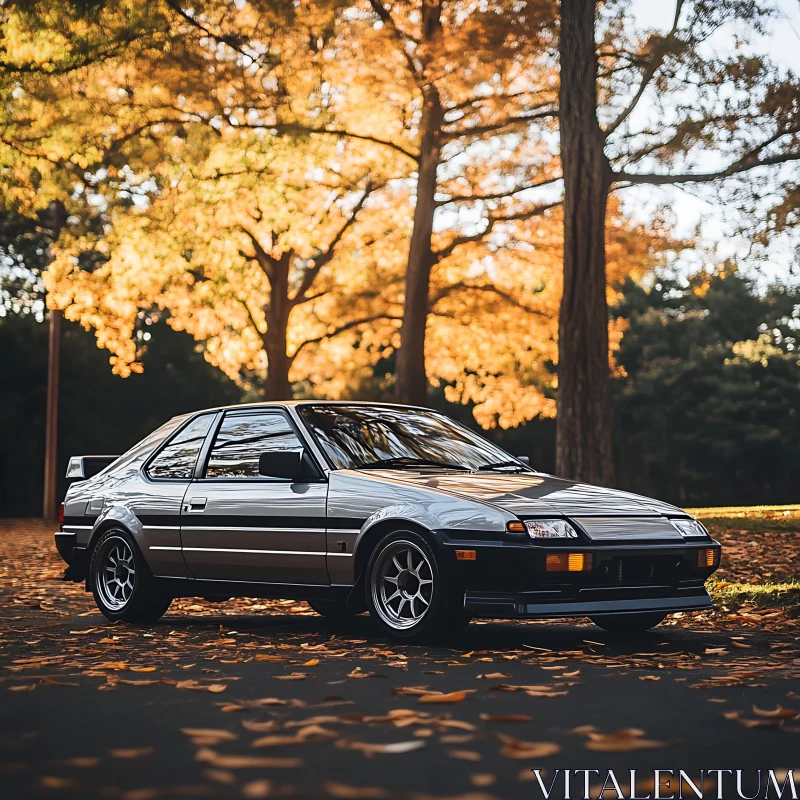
[692, 207]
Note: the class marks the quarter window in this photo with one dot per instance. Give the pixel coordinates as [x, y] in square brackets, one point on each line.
[178, 458]
[242, 439]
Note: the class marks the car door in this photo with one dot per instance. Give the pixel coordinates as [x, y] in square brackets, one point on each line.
[155, 494]
[238, 525]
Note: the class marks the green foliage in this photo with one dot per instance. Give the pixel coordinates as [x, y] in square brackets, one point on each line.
[709, 408]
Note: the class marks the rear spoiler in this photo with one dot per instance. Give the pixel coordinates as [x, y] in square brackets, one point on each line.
[82, 467]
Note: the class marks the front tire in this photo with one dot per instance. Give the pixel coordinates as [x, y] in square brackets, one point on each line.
[406, 590]
[121, 582]
[628, 624]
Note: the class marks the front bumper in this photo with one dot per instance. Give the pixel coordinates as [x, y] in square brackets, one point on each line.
[587, 602]
[509, 579]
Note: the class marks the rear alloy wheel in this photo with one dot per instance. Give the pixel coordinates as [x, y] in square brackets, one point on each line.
[121, 582]
[629, 624]
[406, 593]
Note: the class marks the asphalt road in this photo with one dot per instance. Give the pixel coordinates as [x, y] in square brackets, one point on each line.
[71, 727]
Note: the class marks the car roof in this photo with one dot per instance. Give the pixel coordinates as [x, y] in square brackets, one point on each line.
[287, 403]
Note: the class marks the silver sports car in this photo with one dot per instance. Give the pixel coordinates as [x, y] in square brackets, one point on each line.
[354, 506]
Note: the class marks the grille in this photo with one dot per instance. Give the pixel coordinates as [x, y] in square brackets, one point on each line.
[642, 528]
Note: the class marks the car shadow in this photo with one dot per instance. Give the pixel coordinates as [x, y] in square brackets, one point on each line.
[539, 636]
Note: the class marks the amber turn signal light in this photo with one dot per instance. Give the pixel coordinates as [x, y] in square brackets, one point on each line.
[706, 557]
[516, 527]
[569, 562]
[466, 555]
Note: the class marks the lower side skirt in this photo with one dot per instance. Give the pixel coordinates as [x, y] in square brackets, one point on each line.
[588, 602]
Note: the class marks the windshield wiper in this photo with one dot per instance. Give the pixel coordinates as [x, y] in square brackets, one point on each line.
[501, 465]
[407, 461]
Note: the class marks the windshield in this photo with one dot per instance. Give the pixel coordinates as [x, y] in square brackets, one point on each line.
[354, 437]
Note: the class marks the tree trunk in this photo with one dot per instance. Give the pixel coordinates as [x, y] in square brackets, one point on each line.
[50, 500]
[277, 386]
[583, 439]
[412, 380]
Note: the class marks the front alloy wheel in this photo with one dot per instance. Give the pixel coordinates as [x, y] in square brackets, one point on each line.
[406, 591]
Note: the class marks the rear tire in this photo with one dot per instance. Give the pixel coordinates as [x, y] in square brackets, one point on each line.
[629, 624]
[331, 609]
[121, 582]
[407, 593]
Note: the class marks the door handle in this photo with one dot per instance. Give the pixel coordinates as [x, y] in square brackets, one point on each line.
[196, 504]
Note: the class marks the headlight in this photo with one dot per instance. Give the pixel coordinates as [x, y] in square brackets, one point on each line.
[689, 528]
[550, 529]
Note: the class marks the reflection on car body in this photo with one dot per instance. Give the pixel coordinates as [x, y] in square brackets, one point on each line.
[354, 506]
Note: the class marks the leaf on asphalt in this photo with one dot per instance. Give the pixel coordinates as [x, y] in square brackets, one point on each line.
[292, 676]
[143, 669]
[269, 657]
[208, 736]
[624, 741]
[257, 789]
[514, 748]
[345, 792]
[370, 748]
[214, 688]
[715, 651]
[493, 676]
[760, 723]
[779, 713]
[209, 756]
[505, 718]
[464, 755]
[319, 720]
[220, 776]
[315, 733]
[649, 677]
[131, 752]
[22, 687]
[277, 740]
[411, 691]
[482, 779]
[78, 761]
[311, 663]
[449, 697]
[260, 727]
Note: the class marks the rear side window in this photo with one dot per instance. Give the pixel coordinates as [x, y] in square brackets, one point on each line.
[178, 458]
[241, 440]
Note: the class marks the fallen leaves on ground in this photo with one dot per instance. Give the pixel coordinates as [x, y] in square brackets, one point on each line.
[515, 748]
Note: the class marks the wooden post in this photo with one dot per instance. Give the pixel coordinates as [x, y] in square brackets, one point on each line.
[49, 507]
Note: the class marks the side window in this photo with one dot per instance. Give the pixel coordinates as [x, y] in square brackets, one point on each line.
[241, 440]
[178, 458]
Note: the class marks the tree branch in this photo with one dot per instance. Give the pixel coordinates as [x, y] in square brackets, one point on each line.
[321, 260]
[479, 130]
[742, 165]
[262, 257]
[484, 287]
[385, 16]
[342, 134]
[447, 250]
[474, 198]
[354, 323]
[649, 72]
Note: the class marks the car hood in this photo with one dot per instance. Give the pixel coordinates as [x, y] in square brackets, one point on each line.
[537, 493]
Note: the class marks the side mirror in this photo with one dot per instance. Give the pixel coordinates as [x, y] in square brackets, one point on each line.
[526, 460]
[284, 464]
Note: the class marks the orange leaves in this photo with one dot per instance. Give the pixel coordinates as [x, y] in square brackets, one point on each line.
[450, 697]
[514, 748]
